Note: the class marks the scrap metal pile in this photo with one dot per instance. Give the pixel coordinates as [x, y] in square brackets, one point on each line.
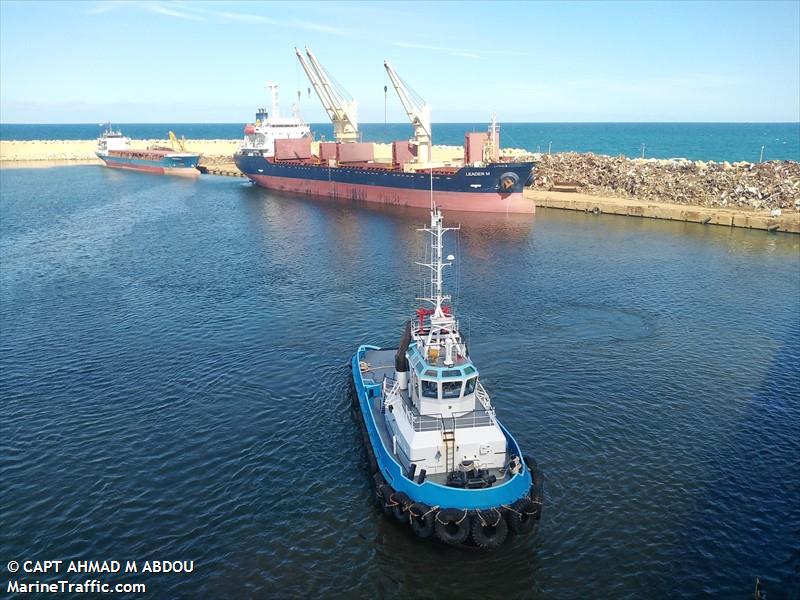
[769, 185]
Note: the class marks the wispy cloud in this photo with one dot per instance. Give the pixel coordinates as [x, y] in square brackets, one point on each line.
[239, 17]
[191, 12]
[320, 27]
[104, 7]
[171, 12]
[459, 52]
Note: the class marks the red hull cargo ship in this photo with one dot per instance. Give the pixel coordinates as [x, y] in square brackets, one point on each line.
[277, 154]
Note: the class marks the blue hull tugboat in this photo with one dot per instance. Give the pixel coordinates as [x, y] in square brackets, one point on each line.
[441, 460]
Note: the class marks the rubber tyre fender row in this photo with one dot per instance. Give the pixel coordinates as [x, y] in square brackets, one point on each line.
[422, 519]
[489, 529]
[399, 508]
[452, 526]
[523, 515]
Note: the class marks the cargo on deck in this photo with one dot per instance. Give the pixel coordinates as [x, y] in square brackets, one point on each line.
[355, 152]
[293, 149]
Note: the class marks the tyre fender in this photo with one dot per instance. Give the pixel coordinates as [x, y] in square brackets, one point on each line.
[489, 529]
[399, 506]
[385, 493]
[452, 526]
[522, 515]
[421, 518]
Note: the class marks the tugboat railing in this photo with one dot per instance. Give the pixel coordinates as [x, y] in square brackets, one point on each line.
[483, 397]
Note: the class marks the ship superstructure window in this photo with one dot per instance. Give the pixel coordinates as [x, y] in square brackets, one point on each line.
[430, 389]
[470, 387]
[451, 389]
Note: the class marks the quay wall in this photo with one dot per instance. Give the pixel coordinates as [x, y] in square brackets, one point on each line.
[762, 195]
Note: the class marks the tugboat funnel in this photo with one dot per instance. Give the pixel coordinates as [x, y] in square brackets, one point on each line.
[402, 379]
[400, 360]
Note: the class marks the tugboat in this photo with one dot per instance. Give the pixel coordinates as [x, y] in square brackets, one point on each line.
[441, 460]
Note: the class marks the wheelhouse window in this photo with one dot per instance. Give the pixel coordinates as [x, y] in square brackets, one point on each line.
[470, 387]
[430, 389]
[451, 389]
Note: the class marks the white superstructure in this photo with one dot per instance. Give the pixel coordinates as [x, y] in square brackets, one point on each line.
[260, 136]
[437, 413]
[112, 140]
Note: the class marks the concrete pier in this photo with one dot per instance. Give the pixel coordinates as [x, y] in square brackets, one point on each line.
[729, 217]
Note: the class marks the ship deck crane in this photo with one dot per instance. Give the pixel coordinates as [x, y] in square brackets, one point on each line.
[418, 111]
[341, 111]
[178, 145]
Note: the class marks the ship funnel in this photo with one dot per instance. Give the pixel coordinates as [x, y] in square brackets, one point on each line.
[400, 360]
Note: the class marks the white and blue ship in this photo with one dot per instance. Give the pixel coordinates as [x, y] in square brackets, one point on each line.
[441, 460]
[114, 149]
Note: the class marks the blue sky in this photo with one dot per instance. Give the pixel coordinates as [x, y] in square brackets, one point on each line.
[160, 61]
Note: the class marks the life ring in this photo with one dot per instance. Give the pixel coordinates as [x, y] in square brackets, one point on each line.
[400, 506]
[452, 526]
[489, 529]
[508, 181]
[523, 515]
[421, 519]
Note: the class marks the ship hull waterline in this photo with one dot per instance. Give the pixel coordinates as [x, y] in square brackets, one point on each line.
[470, 189]
[152, 167]
[453, 201]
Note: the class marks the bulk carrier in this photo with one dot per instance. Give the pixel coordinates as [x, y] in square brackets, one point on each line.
[114, 150]
[277, 153]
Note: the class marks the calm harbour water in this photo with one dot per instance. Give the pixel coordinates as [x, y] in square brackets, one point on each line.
[695, 141]
[174, 384]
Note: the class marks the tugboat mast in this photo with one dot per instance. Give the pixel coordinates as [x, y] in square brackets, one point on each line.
[437, 265]
[443, 331]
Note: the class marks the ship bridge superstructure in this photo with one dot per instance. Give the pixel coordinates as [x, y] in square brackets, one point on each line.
[260, 136]
[111, 141]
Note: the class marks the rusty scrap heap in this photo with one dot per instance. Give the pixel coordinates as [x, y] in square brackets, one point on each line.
[759, 186]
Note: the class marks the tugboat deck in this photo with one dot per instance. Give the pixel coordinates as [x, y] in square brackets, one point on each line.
[380, 367]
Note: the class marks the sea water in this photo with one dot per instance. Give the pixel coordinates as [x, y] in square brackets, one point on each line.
[174, 386]
[696, 141]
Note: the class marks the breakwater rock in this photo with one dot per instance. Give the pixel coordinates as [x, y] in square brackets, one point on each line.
[773, 185]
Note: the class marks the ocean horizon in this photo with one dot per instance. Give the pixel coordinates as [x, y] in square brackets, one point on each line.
[694, 141]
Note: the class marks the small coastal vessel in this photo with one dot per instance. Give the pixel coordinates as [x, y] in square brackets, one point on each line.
[114, 150]
[441, 460]
[277, 153]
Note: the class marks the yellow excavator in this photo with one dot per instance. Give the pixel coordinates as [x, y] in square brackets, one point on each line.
[178, 145]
